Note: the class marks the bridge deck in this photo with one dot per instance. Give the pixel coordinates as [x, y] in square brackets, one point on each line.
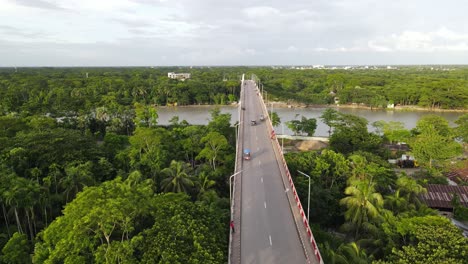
[269, 224]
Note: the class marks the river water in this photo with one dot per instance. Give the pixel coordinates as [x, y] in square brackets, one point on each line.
[200, 115]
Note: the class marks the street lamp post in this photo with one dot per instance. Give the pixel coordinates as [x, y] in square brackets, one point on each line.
[230, 188]
[308, 199]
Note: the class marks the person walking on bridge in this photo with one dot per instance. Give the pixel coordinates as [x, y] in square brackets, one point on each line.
[231, 224]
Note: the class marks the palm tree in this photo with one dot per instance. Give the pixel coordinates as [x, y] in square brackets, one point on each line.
[204, 183]
[396, 202]
[345, 254]
[363, 203]
[410, 188]
[77, 176]
[352, 254]
[178, 180]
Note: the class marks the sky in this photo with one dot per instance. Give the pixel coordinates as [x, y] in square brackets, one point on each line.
[232, 32]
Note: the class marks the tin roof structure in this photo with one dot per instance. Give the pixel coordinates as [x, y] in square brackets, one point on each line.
[440, 196]
[459, 175]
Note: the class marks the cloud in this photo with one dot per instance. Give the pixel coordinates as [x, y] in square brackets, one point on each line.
[189, 32]
[260, 12]
[133, 23]
[414, 41]
[41, 4]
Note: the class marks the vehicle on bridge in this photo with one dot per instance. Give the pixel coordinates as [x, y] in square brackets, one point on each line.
[262, 118]
[253, 122]
[247, 154]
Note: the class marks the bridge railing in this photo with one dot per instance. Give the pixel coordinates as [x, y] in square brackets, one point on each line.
[235, 207]
[305, 222]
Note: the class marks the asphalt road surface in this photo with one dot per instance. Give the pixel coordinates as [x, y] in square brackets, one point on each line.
[268, 232]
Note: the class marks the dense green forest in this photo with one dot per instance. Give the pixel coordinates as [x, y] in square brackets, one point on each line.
[87, 175]
[418, 86]
[374, 213]
[156, 196]
[70, 91]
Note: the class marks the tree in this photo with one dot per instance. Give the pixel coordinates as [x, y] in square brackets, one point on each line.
[462, 129]
[220, 123]
[396, 202]
[362, 203]
[275, 119]
[329, 117]
[146, 115]
[41, 123]
[214, 143]
[394, 131]
[434, 141]
[410, 188]
[204, 183]
[16, 250]
[294, 126]
[350, 134]
[149, 151]
[191, 142]
[308, 126]
[178, 179]
[100, 225]
[77, 176]
[428, 239]
[333, 167]
[184, 232]
[304, 125]
[352, 254]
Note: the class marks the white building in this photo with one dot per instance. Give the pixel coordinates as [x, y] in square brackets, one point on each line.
[180, 76]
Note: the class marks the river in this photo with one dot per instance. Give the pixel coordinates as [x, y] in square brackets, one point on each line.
[200, 115]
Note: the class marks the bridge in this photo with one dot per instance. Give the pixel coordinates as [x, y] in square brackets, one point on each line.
[270, 225]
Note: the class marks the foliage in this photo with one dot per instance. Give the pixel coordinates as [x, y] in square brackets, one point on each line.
[462, 129]
[350, 134]
[275, 119]
[394, 131]
[460, 212]
[64, 91]
[329, 117]
[184, 232]
[428, 239]
[305, 125]
[407, 86]
[434, 141]
[214, 144]
[363, 204]
[16, 251]
[123, 221]
[178, 180]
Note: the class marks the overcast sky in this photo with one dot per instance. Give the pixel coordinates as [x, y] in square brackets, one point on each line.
[232, 32]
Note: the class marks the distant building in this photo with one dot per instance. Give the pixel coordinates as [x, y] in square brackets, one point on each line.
[179, 76]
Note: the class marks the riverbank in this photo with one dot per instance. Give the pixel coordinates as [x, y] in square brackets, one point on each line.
[408, 108]
[279, 104]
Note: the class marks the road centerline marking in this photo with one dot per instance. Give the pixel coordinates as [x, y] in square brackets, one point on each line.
[262, 179]
[271, 244]
[264, 203]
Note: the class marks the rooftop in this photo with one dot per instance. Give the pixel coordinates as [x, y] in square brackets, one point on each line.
[440, 196]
